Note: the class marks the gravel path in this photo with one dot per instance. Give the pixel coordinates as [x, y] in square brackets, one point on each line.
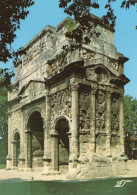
[37, 175]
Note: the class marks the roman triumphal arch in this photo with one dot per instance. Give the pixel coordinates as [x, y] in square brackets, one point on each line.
[66, 112]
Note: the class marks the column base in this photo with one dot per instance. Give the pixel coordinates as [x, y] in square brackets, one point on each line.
[51, 173]
[8, 162]
[27, 169]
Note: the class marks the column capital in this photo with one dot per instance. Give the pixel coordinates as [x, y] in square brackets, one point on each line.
[109, 92]
[69, 133]
[75, 86]
[54, 134]
[13, 142]
[121, 98]
[48, 93]
[93, 88]
[28, 131]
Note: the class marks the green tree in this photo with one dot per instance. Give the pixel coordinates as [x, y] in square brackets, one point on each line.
[3, 124]
[130, 110]
[81, 9]
[11, 12]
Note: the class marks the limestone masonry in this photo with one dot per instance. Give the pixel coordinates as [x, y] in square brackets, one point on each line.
[66, 107]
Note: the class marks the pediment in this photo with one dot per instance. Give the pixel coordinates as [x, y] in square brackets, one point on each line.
[32, 88]
[101, 74]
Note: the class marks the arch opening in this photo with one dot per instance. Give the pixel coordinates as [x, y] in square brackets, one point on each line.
[35, 125]
[16, 149]
[62, 127]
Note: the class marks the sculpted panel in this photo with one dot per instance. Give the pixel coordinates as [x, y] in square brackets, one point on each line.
[60, 104]
[84, 116]
[100, 110]
[115, 114]
[16, 120]
[113, 63]
[58, 64]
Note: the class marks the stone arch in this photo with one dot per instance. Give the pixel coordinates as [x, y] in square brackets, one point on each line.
[62, 117]
[16, 147]
[62, 127]
[35, 109]
[35, 127]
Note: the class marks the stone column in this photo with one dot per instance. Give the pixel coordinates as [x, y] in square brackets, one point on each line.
[108, 123]
[93, 119]
[21, 158]
[54, 151]
[9, 157]
[14, 156]
[47, 152]
[121, 124]
[28, 149]
[74, 125]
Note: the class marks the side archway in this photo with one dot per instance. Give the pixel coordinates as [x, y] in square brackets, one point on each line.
[16, 148]
[36, 140]
[62, 128]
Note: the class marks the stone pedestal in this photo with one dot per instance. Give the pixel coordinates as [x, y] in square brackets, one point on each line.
[8, 162]
[121, 124]
[14, 158]
[54, 152]
[92, 120]
[21, 164]
[47, 150]
[108, 124]
[73, 158]
[28, 150]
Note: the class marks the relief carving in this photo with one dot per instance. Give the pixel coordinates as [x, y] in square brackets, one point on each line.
[103, 76]
[84, 116]
[16, 120]
[113, 63]
[115, 114]
[90, 73]
[60, 104]
[57, 65]
[42, 44]
[100, 110]
[87, 55]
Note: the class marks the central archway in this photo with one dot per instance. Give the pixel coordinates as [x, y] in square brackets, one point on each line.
[62, 127]
[35, 125]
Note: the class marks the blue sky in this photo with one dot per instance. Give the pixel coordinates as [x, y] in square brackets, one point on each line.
[47, 13]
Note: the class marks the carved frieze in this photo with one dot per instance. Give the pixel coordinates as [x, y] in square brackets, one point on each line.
[87, 55]
[113, 63]
[34, 90]
[16, 120]
[46, 42]
[57, 64]
[115, 113]
[100, 110]
[103, 77]
[90, 73]
[60, 104]
[84, 110]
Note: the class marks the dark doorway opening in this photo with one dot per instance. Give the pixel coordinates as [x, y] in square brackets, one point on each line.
[35, 125]
[62, 128]
[16, 149]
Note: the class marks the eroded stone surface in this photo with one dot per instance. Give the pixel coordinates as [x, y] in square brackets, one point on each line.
[66, 108]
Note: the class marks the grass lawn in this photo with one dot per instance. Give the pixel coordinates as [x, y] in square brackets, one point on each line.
[2, 166]
[91, 187]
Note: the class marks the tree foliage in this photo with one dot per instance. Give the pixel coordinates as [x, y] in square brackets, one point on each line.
[11, 13]
[85, 27]
[130, 110]
[3, 123]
